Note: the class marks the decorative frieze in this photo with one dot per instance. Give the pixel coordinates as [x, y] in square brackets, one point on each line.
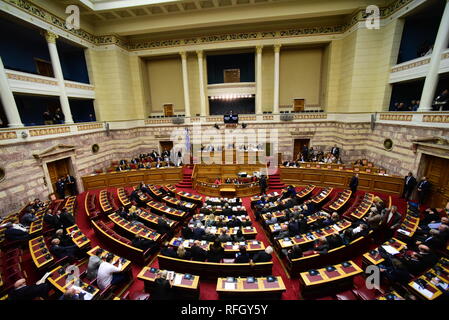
[436, 118]
[6, 135]
[94, 126]
[396, 117]
[49, 131]
[40, 80]
[310, 116]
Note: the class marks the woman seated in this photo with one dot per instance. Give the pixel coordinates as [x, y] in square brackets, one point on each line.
[182, 253]
[216, 252]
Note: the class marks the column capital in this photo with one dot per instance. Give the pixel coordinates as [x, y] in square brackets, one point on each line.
[50, 37]
[183, 54]
[277, 48]
[259, 49]
[199, 53]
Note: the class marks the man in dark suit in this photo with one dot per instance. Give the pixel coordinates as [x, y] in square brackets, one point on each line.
[423, 190]
[67, 220]
[23, 292]
[354, 183]
[62, 251]
[391, 219]
[409, 185]
[421, 260]
[198, 232]
[70, 181]
[227, 211]
[60, 188]
[263, 184]
[335, 151]
[263, 256]
[162, 226]
[198, 253]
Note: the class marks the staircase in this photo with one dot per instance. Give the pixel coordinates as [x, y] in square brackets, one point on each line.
[186, 178]
[274, 181]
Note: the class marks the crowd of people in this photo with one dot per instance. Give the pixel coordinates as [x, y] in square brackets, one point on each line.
[441, 103]
[315, 155]
[56, 117]
[63, 182]
[144, 161]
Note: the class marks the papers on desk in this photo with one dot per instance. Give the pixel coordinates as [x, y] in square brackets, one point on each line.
[404, 232]
[336, 228]
[178, 279]
[390, 250]
[170, 275]
[230, 285]
[423, 291]
[87, 295]
[287, 242]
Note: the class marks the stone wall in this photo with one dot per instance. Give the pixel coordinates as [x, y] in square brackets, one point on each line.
[25, 176]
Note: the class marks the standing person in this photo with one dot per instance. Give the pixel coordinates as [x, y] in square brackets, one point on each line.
[305, 153]
[263, 184]
[335, 151]
[58, 117]
[423, 190]
[409, 185]
[60, 188]
[71, 182]
[108, 274]
[354, 183]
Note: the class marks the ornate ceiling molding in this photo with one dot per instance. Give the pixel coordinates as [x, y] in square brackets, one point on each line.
[103, 40]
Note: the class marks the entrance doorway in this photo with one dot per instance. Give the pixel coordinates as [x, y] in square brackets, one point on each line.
[58, 169]
[166, 145]
[298, 146]
[438, 175]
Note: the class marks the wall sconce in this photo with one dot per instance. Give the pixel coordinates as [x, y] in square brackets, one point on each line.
[24, 134]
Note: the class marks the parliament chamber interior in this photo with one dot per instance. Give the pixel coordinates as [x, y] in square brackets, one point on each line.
[224, 150]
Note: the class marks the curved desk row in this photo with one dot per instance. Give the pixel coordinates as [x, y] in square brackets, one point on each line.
[212, 270]
[132, 177]
[341, 178]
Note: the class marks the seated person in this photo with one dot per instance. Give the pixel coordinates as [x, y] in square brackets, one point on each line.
[242, 256]
[182, 253]
[93, 264]
[360, 231]
[60, 251]
[216, 252]
[271, 219]
[72, 294]
[238, 237]
[198, 253]
[108, 274]
[198, 231]
[168, 250]
[51, 219]
[320, 246]
[187, 233]
[224, 237]
[421, 260]
[284, 233]
[24, 292]
[64, 239]
[294, 252]
[334, 241]
[15, 232]
[143, 243]
[161, 289]
[263, 256]
[28, 218]
[208, 236]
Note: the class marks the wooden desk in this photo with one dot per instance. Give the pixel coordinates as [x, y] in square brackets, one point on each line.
[176, 203]
[229, 247]
[392, 295]
[374, 258]
[259, 289]
[140, 230]
[132, 177]
[190, 197]
[126, 265]
[162, 209]
[340, 179]
[227, 191]
[123, 197]
[341, 200]
[58, 279]
[39, 252]
[147, 216]
[212, 270]
[78, 237]
[182, 287]
[326, 281]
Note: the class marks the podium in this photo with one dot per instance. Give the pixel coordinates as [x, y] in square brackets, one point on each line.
[227, 191]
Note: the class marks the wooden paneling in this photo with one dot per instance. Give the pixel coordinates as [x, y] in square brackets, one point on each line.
[438, 176]
[340, 179]
[132, 177]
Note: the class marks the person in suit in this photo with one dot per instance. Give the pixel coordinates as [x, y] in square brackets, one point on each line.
[142, 243]
[227, 211]
[67, 219]
[60, 188]
[16, 232]
[409, 185]
[28, 218]
[224, 237]
[60, 251]
[423, 190]
[305, 153]
[70, 181]
[293, 227]
[295, 252]
[182, 253]
[58, 117]
[263, 256]
[162, 226]
[238, 237]
[391, 218]
[198, 253]
[242, 256]
[208, 236]
[161, 289]
[354, 183]
[168, 250]
[216, 252]
[421, 260]
[93, 264]
[65, 239]
[24, 292]
[263, 184]
[335, 151]
[321, 246]
[198, 231]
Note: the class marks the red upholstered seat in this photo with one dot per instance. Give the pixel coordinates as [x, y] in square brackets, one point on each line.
[366, 294]
[326, 298]
[346, 295]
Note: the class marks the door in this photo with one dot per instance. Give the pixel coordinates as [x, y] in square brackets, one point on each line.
[299, 145]
[58, 169]
[438, 175]
[166, 145]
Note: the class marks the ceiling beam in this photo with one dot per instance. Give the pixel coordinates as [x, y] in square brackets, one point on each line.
[216, 4]
[180, 6]
[115, 14]
[164, 9]
[197, 5]
[147, 10]
[131, 13]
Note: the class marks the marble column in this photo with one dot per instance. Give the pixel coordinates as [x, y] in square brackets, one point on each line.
[431, 82]
[259, 79]
[201, 79]
[185, 83]
[57, 70]
[7, 98]
[277, 49]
